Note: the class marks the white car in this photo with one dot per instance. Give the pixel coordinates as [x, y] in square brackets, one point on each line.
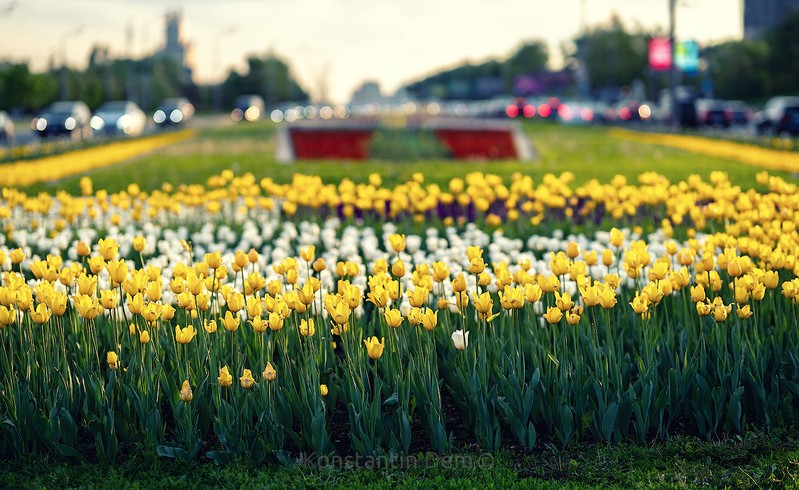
[119, 117]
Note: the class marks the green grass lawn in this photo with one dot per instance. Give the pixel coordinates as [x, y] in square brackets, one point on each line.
[588, 152]
[683, 462]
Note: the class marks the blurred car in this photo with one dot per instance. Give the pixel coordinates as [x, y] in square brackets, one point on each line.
[174, 111]
[119, 117]
[576, 112]
[247, 108]
[6, 127]
[519, 108]
[713, 113]
[63, 118]
[739, 114]
[779, 115]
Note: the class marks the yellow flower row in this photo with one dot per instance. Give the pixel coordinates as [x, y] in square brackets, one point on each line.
[55, 167]
[748, 154]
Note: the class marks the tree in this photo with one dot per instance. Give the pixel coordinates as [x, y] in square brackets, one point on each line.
[613, 56]
[24, 90]
[531, 57]
[268, 76]
[738, 69]
[783, 57]
[462, 82]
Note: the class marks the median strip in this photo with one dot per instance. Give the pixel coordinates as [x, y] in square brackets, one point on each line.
[748, 154]
[50, 168]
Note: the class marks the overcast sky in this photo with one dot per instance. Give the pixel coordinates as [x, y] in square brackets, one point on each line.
[341, 41]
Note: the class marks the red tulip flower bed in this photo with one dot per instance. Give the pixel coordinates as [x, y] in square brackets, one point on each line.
[463, 140]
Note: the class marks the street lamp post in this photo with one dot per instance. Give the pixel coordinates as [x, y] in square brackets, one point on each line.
[217, 58]
[672, 68]
[64, 82]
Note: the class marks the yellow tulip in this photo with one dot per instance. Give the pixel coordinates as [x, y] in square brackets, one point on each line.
[319, 265]
[224, 378]
[213, 259]
[231, 322]
[139, 243]
[703, 309]
[144, 337]
[184, 335]
[87, 285]
[640, 303]
[483, 303]
[440, 271]
[397, 242]
[512, 298]
[743, 312]
[590, 296]
[429, 319]
[235, 302]
[7, 315]
[112, 359]
[393, 318]
[698, 293]
[533, 292]
[477, 265]
[269, 373]
[563, 301]
[398, 268]
[418, 296]
[378, 296]
[186, 394]
[553, 315]
[108, 248]
[83, 250]
[136, 303]
[307, 327]
[247, 380]
[254, 307]
[308, 253]
[374, 348]
[41, 314]
[87, 306]
[607, 298]
[323, 390]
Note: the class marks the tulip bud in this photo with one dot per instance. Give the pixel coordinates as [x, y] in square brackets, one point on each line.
[269, 373]
[185, 392]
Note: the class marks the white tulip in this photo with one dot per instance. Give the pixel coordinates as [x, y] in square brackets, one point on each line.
[460, 339]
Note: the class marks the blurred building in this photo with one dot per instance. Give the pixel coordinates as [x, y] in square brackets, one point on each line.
[762, 15]
[367, 93]
[176, 47]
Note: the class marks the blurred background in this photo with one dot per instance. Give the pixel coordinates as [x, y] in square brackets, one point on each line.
[127, 67]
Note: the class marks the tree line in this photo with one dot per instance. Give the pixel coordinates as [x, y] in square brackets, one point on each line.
[614, 56]
[147, 81]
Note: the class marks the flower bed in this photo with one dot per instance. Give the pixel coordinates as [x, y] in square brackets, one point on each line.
[28, 172]
[255, 319]
[464, 140]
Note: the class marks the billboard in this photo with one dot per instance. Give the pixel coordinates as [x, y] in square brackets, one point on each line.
[686, 57]
[660, 54]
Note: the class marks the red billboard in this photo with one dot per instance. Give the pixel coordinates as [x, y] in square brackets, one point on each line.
[660, 54]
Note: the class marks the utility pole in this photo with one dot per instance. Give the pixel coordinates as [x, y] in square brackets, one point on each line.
[672, 69]
[582, 70]
[63, 44]
[217, 88]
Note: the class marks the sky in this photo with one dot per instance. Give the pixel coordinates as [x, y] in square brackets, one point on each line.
[337, 44]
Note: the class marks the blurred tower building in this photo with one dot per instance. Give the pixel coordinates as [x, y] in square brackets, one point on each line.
[367, 93]
[762, 15]
[176, 47]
